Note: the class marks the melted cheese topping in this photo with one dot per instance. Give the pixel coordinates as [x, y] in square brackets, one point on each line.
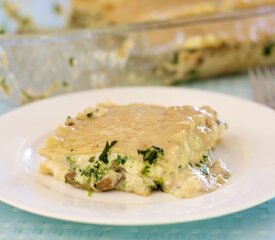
[147, 147]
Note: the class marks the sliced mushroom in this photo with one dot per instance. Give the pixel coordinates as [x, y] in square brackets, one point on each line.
[110, 180]
[70, 178]
[104, 185]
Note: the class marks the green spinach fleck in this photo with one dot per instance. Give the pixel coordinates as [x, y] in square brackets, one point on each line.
[120, 160]
[145, 170]
[104, 155]
[90, 193]
[89, 115]
[151, 154]
[192, 75]
[205, 158]
[88, 171]
[158, 184]
[4, 85]
[65, 84]
[175, 58]
[72, 62]
[71, 162]
[92, 172]
[268, 48]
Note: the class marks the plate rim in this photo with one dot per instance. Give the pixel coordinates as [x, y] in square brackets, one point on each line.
[124, 88]
[177, 219]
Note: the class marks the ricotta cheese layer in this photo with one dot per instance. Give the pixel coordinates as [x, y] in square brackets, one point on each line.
[138, 148]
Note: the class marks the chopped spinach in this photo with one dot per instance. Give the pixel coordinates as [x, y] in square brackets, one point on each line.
[120, 160]
[104, 155]
[72, 62]
[26, 21]
[158, 184]
[151, 154]
[145, 170]
[65, 84]
[71, 162]
[89, 115]
[27, 96]
[268, 48]
[205, 158]
[4, 85]
[92, 172]
[192, 75]
[90, 193]
[175, 58]
[88, 171]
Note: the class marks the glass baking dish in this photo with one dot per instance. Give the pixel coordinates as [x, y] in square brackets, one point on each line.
[35, 66]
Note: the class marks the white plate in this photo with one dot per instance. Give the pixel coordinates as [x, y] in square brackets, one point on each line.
[247, 148]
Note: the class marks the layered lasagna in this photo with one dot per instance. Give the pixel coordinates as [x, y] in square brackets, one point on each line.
[206, 50]
[138, 148]
[178, 54]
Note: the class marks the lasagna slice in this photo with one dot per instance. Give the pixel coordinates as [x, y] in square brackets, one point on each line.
[138, 148]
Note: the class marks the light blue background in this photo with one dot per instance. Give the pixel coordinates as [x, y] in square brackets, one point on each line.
[255, 223]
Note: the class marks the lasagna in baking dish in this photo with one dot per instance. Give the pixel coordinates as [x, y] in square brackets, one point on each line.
[138, 148]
